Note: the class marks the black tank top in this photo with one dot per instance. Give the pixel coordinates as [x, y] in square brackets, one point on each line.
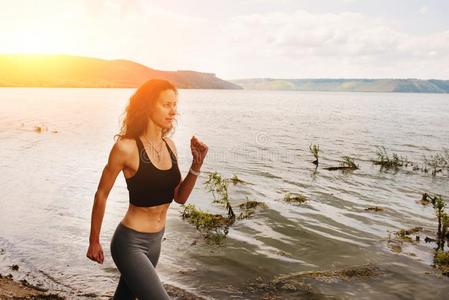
[151, 186]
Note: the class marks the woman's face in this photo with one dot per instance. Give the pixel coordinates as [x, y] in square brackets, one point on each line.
[164, 109]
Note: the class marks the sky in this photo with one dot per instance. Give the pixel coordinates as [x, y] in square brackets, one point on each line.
[241, 39]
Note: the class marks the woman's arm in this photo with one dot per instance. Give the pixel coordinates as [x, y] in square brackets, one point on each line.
[185, 186]
[116, 162]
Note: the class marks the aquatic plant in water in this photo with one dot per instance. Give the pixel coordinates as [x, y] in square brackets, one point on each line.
[404, 234]
[299, 285]
[248, 208]
[374, 208]
[315, 150]
[218, 186]
[441, 258]
[215, 226]
[347, 163]
[290, 198]
[387, 162]
[235, 180]
[441, 261]
[437, 162]
[443, 220]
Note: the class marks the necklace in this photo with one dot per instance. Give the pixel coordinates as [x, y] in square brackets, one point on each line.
[158, 152]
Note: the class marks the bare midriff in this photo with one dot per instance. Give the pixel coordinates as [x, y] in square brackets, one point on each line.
[146, 219]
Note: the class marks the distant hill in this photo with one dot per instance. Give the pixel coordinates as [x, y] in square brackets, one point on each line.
[75, 71]
[347, 85]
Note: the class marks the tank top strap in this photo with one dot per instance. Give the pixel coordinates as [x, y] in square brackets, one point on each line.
[139, 143]
[172, 155]
[141, 150]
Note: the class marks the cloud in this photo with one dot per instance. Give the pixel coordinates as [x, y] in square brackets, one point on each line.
[423, 9]
[304, 44]
[294, 44]
[112, 7]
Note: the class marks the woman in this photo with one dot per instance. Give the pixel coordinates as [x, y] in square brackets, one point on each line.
[153, 180]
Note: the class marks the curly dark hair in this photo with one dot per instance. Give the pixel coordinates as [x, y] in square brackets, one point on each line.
[136, 115]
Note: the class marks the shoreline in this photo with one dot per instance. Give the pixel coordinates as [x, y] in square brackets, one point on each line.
[10, 288]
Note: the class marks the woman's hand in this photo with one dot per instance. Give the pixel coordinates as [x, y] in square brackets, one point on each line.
[95, 252]
[199, 151]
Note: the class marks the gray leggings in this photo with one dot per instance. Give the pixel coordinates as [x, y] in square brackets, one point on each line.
[136, 255]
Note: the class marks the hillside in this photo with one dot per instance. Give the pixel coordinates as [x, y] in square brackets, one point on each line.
[76, 71]
[347, 85]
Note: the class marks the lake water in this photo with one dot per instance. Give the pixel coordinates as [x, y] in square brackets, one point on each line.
[48, 181]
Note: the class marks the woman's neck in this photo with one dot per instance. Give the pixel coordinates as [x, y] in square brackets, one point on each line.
[152, 133]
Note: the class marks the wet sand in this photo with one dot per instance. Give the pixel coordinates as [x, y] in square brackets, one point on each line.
[13, 289]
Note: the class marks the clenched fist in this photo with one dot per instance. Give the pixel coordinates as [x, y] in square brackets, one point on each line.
[95, 252]
[199, 151]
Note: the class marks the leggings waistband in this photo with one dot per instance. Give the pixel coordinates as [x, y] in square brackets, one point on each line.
[140, 233]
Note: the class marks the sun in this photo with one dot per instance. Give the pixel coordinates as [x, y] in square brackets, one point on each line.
[39, 40]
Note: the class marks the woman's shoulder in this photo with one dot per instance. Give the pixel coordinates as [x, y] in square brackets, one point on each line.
[125, 145]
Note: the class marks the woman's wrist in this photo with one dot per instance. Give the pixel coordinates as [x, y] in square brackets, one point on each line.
[94, 241]
[191, 171]
[195, 167]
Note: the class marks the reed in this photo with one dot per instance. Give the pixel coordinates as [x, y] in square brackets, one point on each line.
[315, 150]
